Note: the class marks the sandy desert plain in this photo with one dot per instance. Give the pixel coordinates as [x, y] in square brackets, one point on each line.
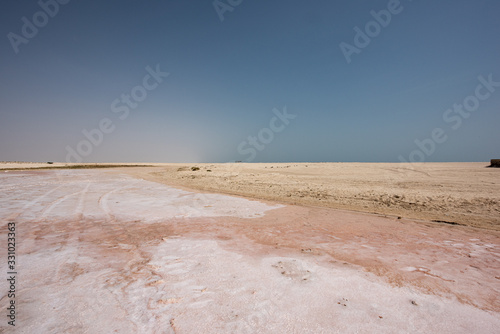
[252, 248]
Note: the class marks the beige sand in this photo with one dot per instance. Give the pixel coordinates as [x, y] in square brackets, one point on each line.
[459, 193]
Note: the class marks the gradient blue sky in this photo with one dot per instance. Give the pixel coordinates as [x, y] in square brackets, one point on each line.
[227, 76]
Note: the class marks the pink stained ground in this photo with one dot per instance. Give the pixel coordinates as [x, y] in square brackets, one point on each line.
[102, 252]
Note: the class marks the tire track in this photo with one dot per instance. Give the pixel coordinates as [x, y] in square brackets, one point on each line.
[57, 202]
[103, 204]
[15, 215]
[103, 201]
[81, 203]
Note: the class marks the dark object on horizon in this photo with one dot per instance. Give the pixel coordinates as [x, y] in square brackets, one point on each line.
[50, 162]
[195, 168]
[495, 163]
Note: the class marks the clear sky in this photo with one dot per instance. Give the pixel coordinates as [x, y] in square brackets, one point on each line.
[262, 81]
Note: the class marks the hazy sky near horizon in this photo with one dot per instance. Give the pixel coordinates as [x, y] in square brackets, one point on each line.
[262, 81]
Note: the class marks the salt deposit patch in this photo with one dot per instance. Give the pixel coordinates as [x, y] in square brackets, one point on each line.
[196, 286]
[98, 195]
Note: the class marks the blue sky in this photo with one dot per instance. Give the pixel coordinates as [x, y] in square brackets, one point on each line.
[226, 77]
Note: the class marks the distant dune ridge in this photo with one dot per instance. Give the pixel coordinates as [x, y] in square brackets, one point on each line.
[20, 165]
